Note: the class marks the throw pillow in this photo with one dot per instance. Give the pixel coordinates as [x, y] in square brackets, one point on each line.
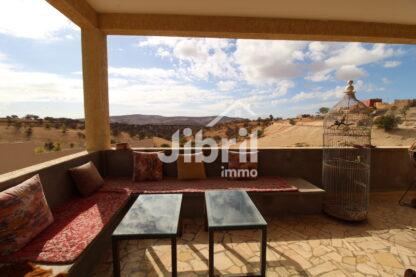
[189, 168]
[87, 178]
[147, 167]
[24, 213]
[242, 169]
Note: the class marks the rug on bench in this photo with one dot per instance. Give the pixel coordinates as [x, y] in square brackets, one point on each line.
[76, 224]
[171, 185]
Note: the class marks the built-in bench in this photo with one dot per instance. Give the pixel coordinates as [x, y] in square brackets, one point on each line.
[303, 197]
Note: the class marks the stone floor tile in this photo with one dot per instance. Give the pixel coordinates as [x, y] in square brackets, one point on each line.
[298, 245]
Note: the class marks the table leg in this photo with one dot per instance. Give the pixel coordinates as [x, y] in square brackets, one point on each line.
[211, 253]
[263, 251]
[116, 262]
[174, 262]
[180, 227]
[205, 219]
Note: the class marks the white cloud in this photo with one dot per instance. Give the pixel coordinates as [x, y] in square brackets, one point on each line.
[356, 54]
[33, 19]
[318, 50]
[3, 56]
[344, 59]
[199, 58]
[349, 72]
[361, 86]
[161, 52]
[265, 62]
[392, 64]
[159, 41]
[144, 75]
[386, 80]
[319, 75]
[331, 94]
[226, 85]
[283, 87]
[21, 85]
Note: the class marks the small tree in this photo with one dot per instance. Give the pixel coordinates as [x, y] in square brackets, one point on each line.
[48, 146]
[64, 128]
[57, 147]
[387, 122]
[271, 117]
[28, 132]
[323, 110]
[18, 125]
[81, 135]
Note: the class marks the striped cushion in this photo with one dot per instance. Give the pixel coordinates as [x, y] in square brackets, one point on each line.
[24, 213]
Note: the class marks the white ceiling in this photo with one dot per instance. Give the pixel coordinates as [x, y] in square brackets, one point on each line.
[387, 11]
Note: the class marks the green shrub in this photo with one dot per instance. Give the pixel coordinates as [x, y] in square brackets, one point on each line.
[260, 133]
[387, 122]
[57, 147]
[39, 150]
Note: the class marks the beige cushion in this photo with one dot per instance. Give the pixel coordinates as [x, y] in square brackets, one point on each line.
[86, 178]
[235, 163]
[190, 170]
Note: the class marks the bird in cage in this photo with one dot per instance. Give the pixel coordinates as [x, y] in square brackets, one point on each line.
[342, 122]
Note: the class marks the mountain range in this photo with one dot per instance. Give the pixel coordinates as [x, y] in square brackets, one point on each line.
[141, 119]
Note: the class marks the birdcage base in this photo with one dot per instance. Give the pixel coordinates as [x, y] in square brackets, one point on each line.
[342, 213]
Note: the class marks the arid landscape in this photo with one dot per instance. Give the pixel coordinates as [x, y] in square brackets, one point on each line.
[31, 140]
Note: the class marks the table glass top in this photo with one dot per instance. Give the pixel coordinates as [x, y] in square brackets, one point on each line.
[151, 214]
[231, 208]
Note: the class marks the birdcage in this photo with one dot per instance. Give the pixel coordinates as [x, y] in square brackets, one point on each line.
[346, 158]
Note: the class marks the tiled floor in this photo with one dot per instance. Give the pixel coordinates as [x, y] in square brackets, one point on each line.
[307, 245]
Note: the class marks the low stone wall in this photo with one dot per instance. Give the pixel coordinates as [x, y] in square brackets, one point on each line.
[57, 183]
[391, 168]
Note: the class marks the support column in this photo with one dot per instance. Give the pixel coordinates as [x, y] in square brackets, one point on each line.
[95, 76]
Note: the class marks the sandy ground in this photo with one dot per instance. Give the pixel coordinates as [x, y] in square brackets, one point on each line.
[305, 134]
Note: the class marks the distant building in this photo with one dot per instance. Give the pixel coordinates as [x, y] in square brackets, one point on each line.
[383, 106]
[401, 103]
[371, 102]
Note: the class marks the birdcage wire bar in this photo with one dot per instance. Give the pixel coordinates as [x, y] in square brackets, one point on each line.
[346, 158]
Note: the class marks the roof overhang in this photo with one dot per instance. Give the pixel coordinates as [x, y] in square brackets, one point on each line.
[330, 20]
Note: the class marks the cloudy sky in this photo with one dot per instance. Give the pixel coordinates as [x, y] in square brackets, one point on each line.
[40, 70]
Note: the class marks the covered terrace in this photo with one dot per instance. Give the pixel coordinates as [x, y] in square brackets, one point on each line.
[302, 240]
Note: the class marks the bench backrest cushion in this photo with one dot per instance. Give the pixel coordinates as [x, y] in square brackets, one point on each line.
[239, 168]
[87, 178]
[147, 166]
[24, 213]
[190, 168]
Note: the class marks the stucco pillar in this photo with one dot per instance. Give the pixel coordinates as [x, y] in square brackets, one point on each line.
[95, 75]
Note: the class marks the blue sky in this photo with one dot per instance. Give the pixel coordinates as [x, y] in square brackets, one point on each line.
[40, 70]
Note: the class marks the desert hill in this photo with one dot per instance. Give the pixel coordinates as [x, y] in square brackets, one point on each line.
[141, 119]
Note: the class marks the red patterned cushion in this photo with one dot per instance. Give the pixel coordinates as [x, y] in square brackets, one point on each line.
[147, 166]
[172, 185]
[242, 168]
[87, 178]
[24, 213]
[76, 224]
